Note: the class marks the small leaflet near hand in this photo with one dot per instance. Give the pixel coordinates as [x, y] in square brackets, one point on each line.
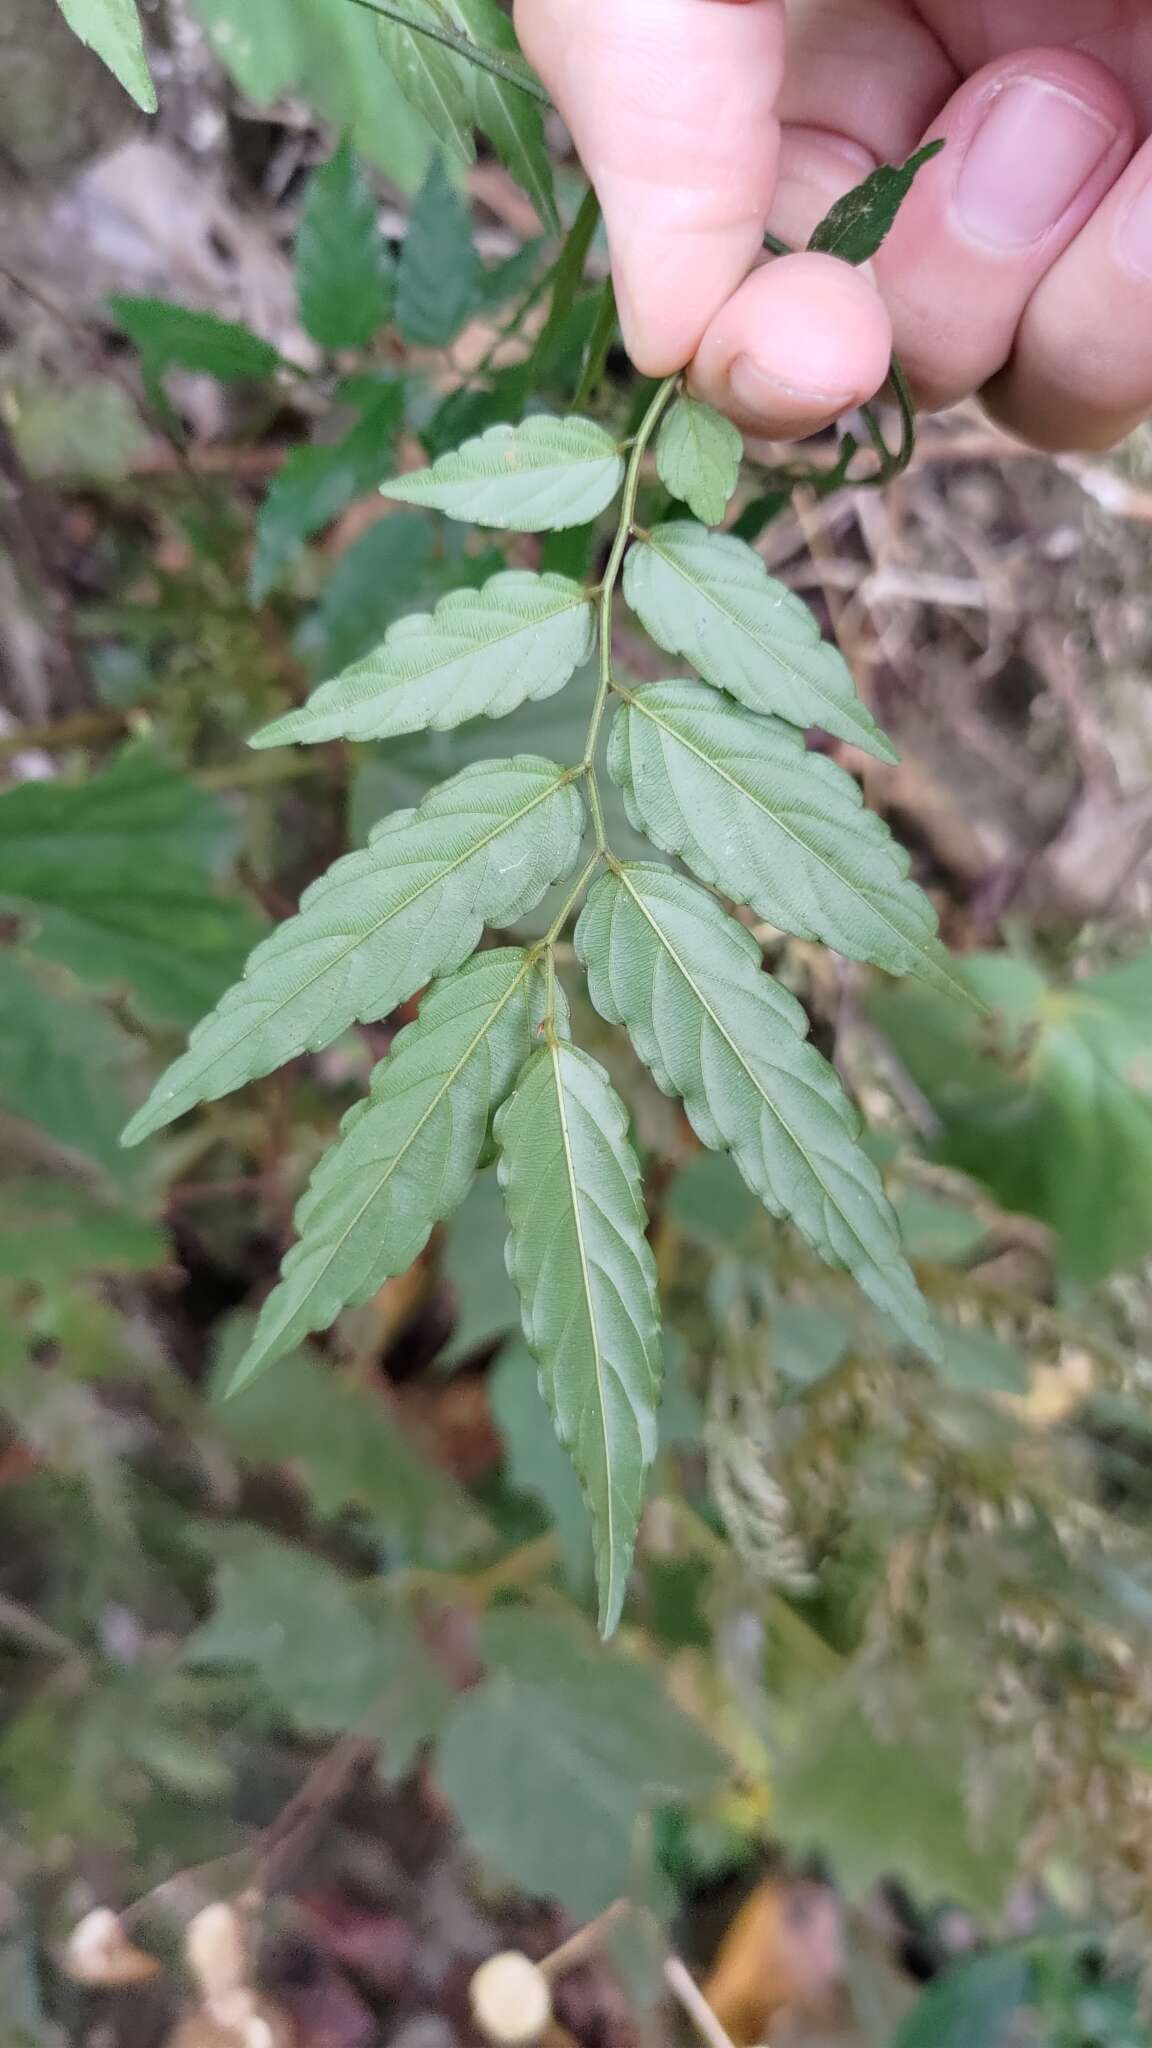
[859, 224]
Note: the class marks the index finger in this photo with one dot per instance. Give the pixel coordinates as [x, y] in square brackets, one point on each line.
[671, 104]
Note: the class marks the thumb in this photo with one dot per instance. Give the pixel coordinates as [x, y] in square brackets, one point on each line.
[671, 106]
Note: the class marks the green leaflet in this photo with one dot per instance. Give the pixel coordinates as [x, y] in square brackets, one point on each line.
[587, 1285]
[698, 456]
[171, 337]
[117, 879]
[1050, 1106]
[513, 123]
[538, 477]
[481, 653]
[666, 961]
[112, 29]
[859, 224]
[438, 279]
[481, 848]
[343, 271]
[406, 1156]
[751, 811]
[710, 598]
[431, 78]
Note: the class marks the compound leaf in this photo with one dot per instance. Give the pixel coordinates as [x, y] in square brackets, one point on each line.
[751, 811]
[541, 476]
[709, 597]
[343, 272]
[480, 653]
[483, 847]
[437, 283]
[857, 226]
[112, 29]
[587, 1286]
[698, 456]
[666, 961]
[405, 1156]
[171, 337]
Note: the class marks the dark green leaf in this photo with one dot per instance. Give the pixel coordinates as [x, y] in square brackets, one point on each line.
[316, 484]
[708, 1200]
[63, 1065]
[976, 1361]
[375, 579]
[474, 1267]
[115, 877]
[806, 1343]
[343, 270]
[858, 224]
[112, 28]
[534, 1462]
[345, 1445]
[588, 1739]
[972, 2005]
[894, 1804]
[1049, 1103]
[52, 1229]
[329, 53]
[324, 1661]
[437, 284]
[171, 337]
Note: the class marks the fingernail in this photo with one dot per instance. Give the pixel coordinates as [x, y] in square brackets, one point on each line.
[1033, 151]
[755, 386]
[1134, 234]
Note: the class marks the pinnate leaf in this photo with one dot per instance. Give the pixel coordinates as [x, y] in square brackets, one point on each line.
[698, 455]
[687, 982]
[483, 847]
[709, 597]
[112, 28]
[405, 1156]
[751, 811]
[858, 225]
[540, 476]
[343, 271]
[587, 1286]
[481, 653]
[437, 283]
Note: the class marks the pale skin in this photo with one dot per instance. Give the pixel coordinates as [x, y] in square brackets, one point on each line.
[1020, 267]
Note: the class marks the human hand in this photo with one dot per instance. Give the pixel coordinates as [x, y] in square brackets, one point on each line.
[1020, 266]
